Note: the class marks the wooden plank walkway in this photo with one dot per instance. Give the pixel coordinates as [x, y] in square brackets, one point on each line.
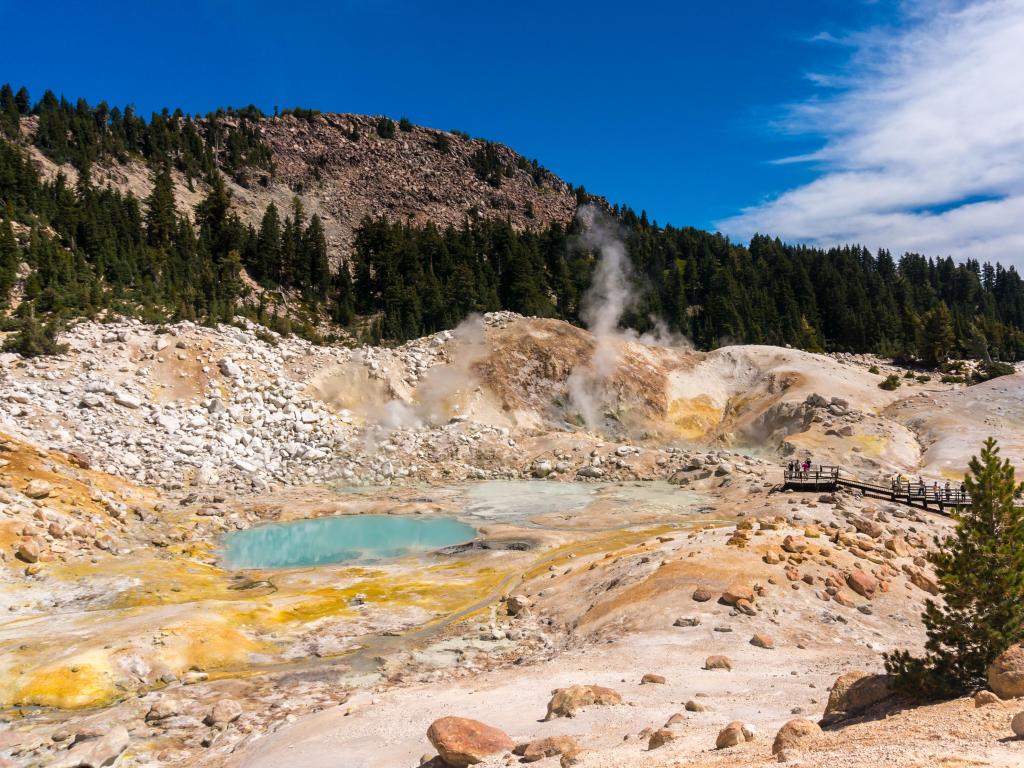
[933, 497]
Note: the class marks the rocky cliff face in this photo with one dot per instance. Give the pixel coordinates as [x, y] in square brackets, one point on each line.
[341, 169]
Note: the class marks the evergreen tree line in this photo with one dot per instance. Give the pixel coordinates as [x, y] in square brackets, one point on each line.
[82, 134]
[421, 279]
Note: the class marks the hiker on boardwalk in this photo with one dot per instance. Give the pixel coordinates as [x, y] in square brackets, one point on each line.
[948, 489]
[963, 491]
[920, 486]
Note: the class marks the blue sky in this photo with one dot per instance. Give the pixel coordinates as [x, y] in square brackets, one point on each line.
[679, 108]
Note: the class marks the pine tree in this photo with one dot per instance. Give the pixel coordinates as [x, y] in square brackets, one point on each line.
[268, 247]
[980, 570]
[161, 216]
[10, 255]
[938, 337]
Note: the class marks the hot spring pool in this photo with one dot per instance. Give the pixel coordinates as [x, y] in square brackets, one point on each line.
[347, 539]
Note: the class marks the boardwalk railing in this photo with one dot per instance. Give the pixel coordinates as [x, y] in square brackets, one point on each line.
[825, 477]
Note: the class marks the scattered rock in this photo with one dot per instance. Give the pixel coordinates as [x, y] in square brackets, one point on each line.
[702, 594]
[461, 741]
[854, 693]
[795, 734]
[736, 592]
[549, 746]
[224, 711]
[1006, 673]
[763, 641]
[38, 489]
[718, 662]
[861, 582]
[661, 737]
[96, 752]
[696, 706]
[1017, 725]
[650, 677]
[566, 702]
[735, 733]
[984, 698]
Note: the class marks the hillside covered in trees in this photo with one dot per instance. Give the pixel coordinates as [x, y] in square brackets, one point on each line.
[89, 248]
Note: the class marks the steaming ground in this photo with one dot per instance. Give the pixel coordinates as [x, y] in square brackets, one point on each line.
[125, 461]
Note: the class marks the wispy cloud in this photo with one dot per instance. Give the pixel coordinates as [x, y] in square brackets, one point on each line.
[923, 142]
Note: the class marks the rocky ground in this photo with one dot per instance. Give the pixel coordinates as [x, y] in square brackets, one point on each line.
[650, 555]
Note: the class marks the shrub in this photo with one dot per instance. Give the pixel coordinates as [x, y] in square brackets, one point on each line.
[924, 378]
[442, 143]
[908, 375]
[891, 382]
[951, 379]
[405, 125]
[386, 128]
[34, 339]
[874, 369]
[993, 370]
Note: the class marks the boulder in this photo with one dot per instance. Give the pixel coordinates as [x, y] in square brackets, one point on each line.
[718, 662]
[1006, 673]
[163, 709]
[461, 741]
[566, 702]
[223, 712]
[661, 737]
[794, 544]
[96, 752]
[696, 706]
[736, 592]
[735, 733]
[1017, 725]
[795, 734]
[28, 550]
[38, 489]
[702, 594]
[985, 698]
[517, 605]
[549, 746]
[861, 582]
[854, 693]
[761, 640]
[650, 677]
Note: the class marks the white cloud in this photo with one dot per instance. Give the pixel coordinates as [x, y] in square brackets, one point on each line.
[923, 141]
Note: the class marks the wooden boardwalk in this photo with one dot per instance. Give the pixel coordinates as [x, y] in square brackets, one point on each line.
[934, 497]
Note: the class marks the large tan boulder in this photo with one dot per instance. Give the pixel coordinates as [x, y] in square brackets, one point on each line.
[566, 702]
[549, 746]
[794, 735]
[38, 489]
[737, 591]
[854, 693]
[735, 733]
[861, 582]
[461, 741]
[1006, 673]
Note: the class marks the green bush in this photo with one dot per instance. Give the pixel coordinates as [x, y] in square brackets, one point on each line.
[874, 369]
[993, 370]
[34, 339]
[405, 124]
[891, 382]
[951, 379]
[908, 375]
[386, 128]
[924, 378]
